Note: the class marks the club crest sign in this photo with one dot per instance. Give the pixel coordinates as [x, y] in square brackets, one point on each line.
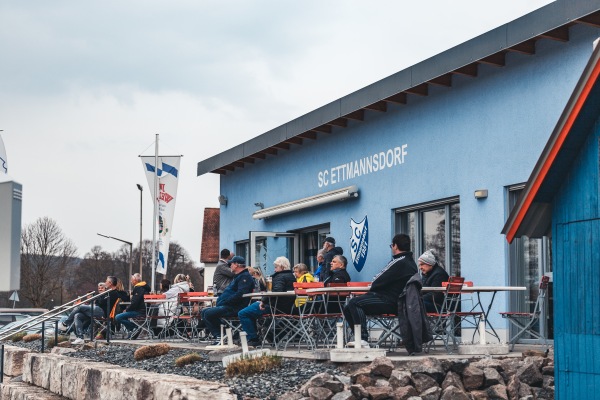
[359, 242]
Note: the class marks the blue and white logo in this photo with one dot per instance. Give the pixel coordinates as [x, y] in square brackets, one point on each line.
[359, 242]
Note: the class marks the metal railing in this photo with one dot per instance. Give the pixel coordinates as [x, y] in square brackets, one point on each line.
[49, 315]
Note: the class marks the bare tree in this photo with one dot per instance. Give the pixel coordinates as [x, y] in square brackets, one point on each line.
[45, 254]
[95, 267]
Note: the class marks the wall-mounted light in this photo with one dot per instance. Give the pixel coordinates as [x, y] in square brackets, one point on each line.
[260, 205]
[481, 194]
[223, 200]
[323, 198]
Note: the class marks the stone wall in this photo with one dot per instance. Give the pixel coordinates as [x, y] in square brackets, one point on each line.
[527, 378]
[56, 375]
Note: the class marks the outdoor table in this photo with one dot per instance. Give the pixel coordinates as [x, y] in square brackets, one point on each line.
[275, 315]
[478, 290]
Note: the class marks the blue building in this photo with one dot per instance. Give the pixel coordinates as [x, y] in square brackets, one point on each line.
[440, 151]
[561, 200]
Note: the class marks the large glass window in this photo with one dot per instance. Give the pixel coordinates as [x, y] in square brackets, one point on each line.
[529, 259]
[434, 226]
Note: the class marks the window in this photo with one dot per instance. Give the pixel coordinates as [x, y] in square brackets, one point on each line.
[436, 226]
[529, 259]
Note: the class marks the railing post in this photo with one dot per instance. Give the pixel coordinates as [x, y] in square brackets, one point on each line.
[55, 333]
[43, 335]
[2, 365]
[92, 323]
[108, 330]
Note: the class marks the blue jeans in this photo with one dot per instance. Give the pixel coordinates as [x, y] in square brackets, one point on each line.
[212, 317]
[82, 316]
[248, 317]
[123, 318]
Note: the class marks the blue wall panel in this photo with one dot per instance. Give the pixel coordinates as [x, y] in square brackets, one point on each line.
[576, 263]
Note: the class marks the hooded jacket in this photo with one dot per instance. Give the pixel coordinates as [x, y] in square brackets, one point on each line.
[137, 297]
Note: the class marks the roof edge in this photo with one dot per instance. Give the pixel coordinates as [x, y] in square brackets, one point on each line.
[562, 129]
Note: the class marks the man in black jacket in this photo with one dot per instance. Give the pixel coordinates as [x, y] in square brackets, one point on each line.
[386, 287]
[136, 308]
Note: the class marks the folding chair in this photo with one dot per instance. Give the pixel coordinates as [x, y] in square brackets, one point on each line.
[387, 324]
[302, 326]
[527, 322]
[147, 323]
[446, 322]
[106, 322]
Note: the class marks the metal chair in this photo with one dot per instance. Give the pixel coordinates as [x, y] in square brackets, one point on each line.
[526, 322]
[446, 322]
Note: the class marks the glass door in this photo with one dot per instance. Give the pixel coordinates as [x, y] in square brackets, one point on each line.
[529, 260]
[265, 247]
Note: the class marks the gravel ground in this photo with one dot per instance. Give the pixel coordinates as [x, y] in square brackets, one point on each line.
[289, 377]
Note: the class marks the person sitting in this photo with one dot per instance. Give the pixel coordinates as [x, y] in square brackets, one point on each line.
[117, 292]
[302, 275]
[231, 300]
[320, 264]
[433, 274]
[181, 285]
[337, 274]
[386, 287]
[81, 317]
[260, 285]
[283, 280]
[165, 284]
[136, 308]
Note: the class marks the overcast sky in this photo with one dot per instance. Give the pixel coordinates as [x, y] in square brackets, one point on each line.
[86, 85]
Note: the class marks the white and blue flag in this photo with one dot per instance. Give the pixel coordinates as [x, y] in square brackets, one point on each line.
[168, 179]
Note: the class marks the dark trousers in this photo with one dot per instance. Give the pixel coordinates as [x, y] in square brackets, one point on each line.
[359, 307]
[212, 317]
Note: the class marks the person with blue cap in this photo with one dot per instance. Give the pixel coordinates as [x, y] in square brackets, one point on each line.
[231, 301]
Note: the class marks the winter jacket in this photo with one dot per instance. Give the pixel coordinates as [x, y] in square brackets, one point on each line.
[283, 281]
[326, 270]
[173, 295]
[414, 328]
[107, 302]
[433, 300]
[137, 297]
[233, 294]
[337, 276]
[390, 282]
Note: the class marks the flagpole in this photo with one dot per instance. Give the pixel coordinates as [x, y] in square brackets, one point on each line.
[155, 219]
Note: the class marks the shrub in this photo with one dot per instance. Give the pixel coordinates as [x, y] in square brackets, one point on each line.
[32, 337]
[153, 350]
[253, 365]
[188, 359]
[61, 338]
[17, 337]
